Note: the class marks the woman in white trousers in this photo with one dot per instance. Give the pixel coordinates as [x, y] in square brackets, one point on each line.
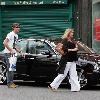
[68, 61]
[71, 67]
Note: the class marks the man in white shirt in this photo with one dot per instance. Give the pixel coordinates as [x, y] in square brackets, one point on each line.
[10, 48]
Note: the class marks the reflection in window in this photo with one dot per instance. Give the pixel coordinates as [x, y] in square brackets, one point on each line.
[22, 45]
[38, 47]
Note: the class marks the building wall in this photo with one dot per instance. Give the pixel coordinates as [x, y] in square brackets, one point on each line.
[38, 18]
[83, 16]
[59, 15]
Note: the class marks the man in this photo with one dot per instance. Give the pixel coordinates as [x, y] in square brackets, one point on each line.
[10, 48]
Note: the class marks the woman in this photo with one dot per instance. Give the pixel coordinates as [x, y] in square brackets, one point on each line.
[67, 63]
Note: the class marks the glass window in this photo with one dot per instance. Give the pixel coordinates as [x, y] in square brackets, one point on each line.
[39, 47]
[84, 48]
[81, 50]
[22, 45]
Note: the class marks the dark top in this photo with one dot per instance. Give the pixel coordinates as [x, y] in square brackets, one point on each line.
[68, 56]
[71, 55]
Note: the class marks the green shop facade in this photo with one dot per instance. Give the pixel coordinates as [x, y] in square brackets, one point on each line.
[38, 18]
[45, 18]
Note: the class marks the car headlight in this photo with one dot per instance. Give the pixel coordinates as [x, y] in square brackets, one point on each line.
[96, 67]
[99, 62]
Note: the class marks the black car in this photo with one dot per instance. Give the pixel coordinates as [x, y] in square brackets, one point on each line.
[41, 63]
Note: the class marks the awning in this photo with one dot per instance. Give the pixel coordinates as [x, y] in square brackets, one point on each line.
[32, 2]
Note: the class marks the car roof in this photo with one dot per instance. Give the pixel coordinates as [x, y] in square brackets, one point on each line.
[85, 47]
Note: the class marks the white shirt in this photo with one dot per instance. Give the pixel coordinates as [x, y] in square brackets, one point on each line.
[11, 36]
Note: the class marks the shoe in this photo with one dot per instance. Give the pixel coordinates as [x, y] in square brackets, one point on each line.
[12, 85]
[75, 91]
[53, 89]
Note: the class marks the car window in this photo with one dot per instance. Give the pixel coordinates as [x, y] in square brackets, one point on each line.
[39, 47]
[22, 45]
[83, 49]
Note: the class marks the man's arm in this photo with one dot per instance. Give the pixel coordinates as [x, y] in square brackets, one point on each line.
[7, 46]
[18, 49]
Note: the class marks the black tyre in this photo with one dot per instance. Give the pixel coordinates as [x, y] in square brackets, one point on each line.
[3, 71]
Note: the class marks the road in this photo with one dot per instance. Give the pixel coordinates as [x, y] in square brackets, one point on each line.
[33, 91]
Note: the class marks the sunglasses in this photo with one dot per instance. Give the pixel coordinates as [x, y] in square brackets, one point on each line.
[17, 27]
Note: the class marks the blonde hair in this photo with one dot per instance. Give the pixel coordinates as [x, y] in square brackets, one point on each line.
[67, 32]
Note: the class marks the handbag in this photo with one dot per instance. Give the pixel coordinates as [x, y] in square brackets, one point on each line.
[12, 62]
[59, 48]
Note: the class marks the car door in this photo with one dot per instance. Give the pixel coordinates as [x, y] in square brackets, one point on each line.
[21, 62]
[43, 59]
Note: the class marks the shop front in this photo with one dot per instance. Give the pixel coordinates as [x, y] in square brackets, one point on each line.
[96, 25]
[38, 18]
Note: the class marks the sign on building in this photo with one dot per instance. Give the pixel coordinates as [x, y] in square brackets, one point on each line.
[97, 29]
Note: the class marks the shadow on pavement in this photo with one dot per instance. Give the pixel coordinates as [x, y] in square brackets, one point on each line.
[65, 86]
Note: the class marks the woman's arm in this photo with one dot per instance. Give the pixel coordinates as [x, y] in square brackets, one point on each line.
[75, 49]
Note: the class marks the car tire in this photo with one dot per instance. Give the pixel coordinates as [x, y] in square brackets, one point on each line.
[3, 71]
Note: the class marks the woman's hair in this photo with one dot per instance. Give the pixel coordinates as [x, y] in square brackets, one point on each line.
[67, 32]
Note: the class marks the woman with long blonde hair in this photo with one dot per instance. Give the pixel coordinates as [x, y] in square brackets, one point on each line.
[67, 62]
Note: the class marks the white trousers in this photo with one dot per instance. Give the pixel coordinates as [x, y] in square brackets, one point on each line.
[71, 68]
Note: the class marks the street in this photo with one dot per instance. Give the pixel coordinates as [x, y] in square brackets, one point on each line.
[32, 91]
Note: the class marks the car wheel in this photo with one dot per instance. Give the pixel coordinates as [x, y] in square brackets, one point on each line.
[82, 79]
[3, 70]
